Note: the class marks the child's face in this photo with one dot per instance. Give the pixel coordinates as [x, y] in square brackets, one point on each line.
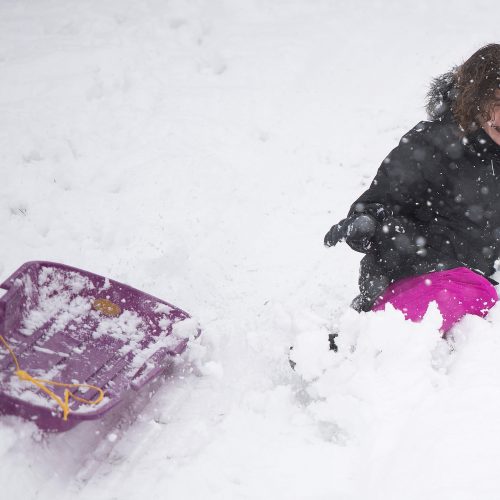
[492, 126]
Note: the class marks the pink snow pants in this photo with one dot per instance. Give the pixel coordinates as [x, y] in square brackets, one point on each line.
[457, 292]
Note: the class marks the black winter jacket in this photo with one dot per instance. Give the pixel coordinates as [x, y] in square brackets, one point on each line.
[441, 195]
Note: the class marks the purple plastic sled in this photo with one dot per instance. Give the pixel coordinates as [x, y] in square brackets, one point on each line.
[74, 327]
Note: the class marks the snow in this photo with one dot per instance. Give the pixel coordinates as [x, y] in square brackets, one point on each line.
[199, 151]
[58, 299]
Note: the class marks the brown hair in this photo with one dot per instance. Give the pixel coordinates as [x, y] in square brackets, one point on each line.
[475, 83]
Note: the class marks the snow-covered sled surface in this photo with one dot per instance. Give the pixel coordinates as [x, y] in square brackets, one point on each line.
[200, 150]
[69, 326]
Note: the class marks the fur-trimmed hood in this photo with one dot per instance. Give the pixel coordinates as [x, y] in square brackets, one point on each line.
[440, 99]
[441, 96]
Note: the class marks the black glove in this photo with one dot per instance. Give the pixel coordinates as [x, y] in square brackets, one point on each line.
[357, 231]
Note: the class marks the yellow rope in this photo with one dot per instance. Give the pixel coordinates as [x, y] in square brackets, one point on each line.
[41, 384]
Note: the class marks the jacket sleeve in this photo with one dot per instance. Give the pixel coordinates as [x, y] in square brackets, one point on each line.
[398, 198]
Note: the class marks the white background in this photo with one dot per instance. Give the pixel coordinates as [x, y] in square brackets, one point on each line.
[199, 151]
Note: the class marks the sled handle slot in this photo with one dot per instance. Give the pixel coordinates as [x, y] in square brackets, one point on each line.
[10, 292]
[9, 282]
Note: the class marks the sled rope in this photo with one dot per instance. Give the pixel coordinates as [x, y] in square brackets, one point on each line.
[42, 385]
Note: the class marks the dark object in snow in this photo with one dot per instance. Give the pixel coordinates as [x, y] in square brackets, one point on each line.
[292, 363]
[438, 198]
[81, 343]
[331, 341]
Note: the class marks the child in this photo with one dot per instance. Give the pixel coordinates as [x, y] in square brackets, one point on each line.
[434, 205]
